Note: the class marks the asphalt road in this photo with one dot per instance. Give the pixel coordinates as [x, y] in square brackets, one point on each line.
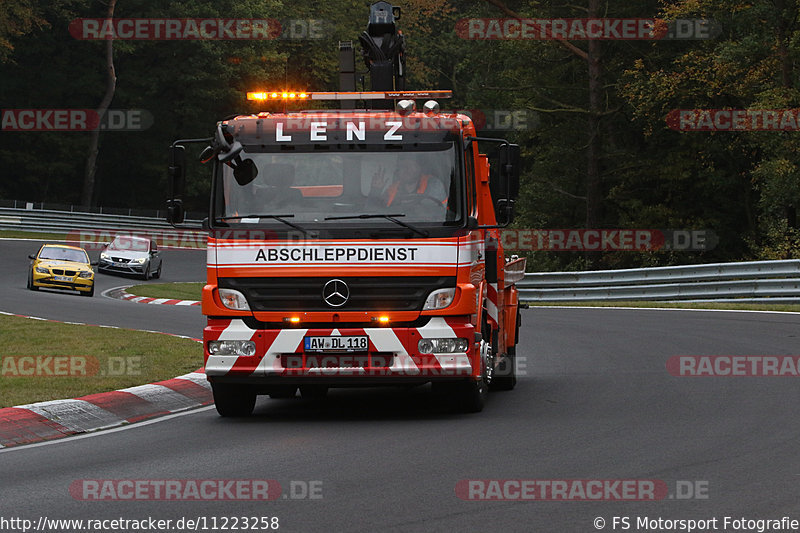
[595, 402]
[179, 265]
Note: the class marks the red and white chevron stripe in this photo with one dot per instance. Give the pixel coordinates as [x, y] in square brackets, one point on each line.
[273, 346]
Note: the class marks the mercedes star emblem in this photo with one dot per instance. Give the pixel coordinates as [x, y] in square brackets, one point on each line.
[335, 293]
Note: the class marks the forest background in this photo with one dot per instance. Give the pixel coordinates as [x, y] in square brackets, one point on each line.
[590, 115]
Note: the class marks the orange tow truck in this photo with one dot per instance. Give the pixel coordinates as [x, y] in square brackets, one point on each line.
[356, 247]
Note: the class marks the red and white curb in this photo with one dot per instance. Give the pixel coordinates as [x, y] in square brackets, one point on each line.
[120, 294]
[42, 421]
[37, 422]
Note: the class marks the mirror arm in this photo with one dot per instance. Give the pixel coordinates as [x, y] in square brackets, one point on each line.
[191, 141]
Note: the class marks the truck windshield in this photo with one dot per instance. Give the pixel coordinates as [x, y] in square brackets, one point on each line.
[421, 185]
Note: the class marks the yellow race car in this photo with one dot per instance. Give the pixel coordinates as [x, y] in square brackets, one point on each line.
[58, 266]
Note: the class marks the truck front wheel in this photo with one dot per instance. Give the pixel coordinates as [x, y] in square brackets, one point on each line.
[470, 396]
[232, 401]
[505, 378]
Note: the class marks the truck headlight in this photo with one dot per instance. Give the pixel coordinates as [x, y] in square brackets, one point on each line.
[246, 348]
[439, 299]
[448, 345]
[233, 299]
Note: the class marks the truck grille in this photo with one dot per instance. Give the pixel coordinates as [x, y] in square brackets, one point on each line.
[366, 293]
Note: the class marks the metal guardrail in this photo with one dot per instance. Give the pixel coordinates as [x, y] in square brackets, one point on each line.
[757, 281]
[72, 208]
[53, 221]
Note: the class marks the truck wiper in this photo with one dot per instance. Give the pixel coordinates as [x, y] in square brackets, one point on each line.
[387, 217]
[279, 218]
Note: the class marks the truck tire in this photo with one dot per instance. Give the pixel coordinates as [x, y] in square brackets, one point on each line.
[505, 377]
[233, 401]
[470, 396]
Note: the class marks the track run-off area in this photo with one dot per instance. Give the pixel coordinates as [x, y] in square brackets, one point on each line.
[594, 402]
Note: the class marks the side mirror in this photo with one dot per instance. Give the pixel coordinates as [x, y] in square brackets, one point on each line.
[245, 172]
[177, 171]
[510, 169]
[177, 184]
[94, 263]
[175, 211]
[504, 211]
[207, 154]
[31, 257]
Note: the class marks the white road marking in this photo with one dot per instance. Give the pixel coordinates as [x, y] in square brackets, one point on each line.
[106, 431]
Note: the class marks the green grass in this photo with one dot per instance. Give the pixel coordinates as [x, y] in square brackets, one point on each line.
[678, 305]
[102, 359]
[176, 291]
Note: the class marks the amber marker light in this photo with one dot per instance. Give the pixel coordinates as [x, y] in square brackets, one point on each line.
[283, 95]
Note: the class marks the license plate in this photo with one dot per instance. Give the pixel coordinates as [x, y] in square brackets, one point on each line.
[120, 265]
[63, 278]
[344, 343]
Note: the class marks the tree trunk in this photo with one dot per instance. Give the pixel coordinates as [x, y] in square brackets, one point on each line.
[87, 195]
[594, 188]
[783, 36]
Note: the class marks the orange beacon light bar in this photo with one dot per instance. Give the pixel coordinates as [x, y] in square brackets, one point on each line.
[282, 95]
[368, 95]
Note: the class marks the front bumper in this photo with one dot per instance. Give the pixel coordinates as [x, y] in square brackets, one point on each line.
[392, 356]
[75, 283]
[105, 265]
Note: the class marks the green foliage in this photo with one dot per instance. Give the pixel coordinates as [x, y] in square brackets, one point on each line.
[17, 18]
[748, 181]
[742, 186]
